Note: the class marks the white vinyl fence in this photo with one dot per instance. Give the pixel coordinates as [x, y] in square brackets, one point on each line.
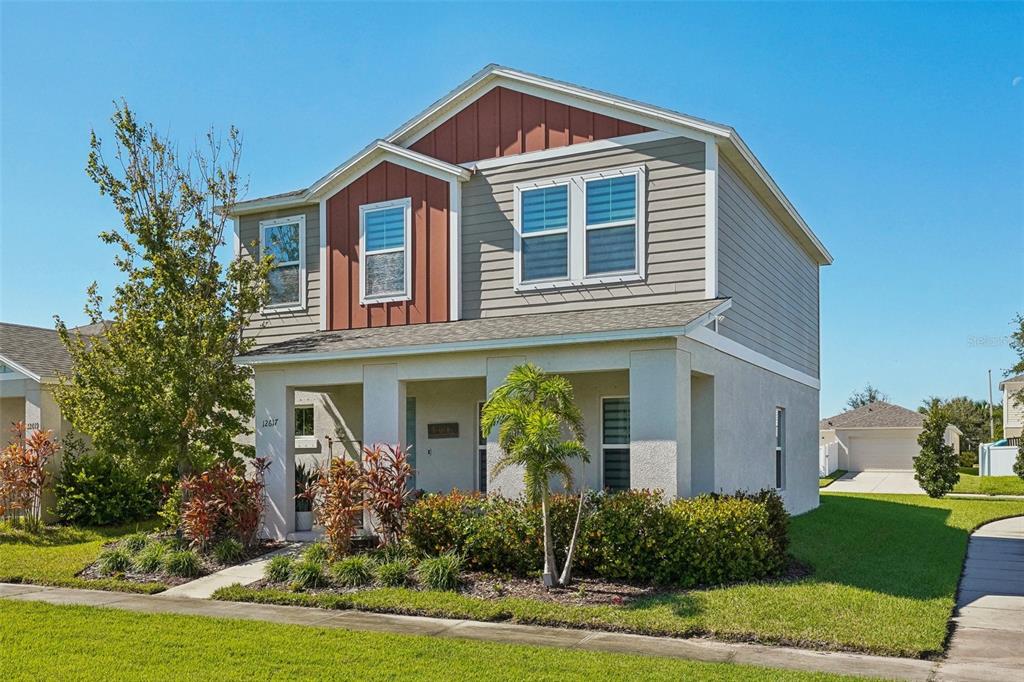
[828, 458]
[996, 460]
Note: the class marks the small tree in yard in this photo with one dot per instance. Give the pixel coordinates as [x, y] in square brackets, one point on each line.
[1017, 344]
[937, 467]
[532, 411]
[159, 388]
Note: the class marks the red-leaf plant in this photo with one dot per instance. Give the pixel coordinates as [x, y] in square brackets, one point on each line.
[224, 502]
[23, 473]
[387, 473]
[338, 503]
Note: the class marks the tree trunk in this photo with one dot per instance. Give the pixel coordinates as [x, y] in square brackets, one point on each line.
[566, 577]
[549, 550]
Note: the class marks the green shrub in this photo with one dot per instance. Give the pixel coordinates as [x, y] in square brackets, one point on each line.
[170, 512]
[94, 490]
[633, 536]
[440, 572]
[114, 560]
[134, 542]
[279, 569]
[354, 571]
[393, 573]
[150, 558]
[307, 574]
[183, 563]
[228, 552]
[317, 552]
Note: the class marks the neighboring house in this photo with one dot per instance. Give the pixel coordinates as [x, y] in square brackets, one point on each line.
[645, 254]
[1013, 412]
[878, 435]
[31, 358]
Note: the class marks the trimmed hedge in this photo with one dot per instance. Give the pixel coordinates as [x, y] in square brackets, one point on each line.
[634, 536]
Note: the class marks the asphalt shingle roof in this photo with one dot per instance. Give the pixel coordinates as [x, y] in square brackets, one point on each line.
[874, 415]
[497, 328]
[38, 349]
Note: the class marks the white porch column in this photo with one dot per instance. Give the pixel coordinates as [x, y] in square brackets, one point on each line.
[509, 483]
[275, 440]
[383, 405]
[659, 421]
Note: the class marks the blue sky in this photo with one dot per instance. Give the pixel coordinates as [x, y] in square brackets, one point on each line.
[897, 130]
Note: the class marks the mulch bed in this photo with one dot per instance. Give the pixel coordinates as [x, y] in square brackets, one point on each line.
[207, 565]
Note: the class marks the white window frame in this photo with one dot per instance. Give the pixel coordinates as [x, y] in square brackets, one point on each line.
[577, 230]
[406, 293]
[779, 461]
[613, 446]
[309, 441]
[480, 449]
[300, 304]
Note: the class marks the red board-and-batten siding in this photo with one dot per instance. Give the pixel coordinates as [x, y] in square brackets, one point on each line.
[500, 123]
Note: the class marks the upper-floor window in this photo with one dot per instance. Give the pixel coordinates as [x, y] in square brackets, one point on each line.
[284, 239]
[385, 238]
[584, 229]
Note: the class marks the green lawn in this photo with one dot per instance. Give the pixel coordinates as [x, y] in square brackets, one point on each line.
[885, 575]
[989, 485]
[57, 553]
[40, 641]
[835, 475]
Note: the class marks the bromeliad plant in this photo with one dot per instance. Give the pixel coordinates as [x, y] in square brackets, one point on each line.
[23, 474]
[532, 410]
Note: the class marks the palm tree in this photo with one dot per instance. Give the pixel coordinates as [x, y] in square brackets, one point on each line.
[533, 412]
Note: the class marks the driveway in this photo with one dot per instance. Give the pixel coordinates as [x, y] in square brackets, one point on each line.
[876, 482]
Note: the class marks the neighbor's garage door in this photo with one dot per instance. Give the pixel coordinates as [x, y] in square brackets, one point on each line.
[882, 452]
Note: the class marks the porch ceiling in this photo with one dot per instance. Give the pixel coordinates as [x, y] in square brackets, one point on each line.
[599, 324]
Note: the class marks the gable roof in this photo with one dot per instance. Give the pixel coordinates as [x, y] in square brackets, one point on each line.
[874, 415]
[37, 352]
[1018, 378]
[730, 143]
[531, 329]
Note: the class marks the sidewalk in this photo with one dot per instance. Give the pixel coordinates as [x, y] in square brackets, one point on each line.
[242, 574]
[988, 643]
[697, 649]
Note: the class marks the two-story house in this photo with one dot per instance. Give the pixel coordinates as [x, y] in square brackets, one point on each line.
[645, 254]
[1013, 410]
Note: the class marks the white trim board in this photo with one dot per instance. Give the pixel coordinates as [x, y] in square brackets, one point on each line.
[26, 374]
[571, 150]
[738, 350]
[711, 219]
[493, 344]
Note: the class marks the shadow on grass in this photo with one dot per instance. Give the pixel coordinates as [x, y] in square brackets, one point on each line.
[61, 536]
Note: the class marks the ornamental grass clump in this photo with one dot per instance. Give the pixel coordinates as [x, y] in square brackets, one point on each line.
[393, 573]
[114, 560]
[440, 572]
[279, 569]
[228, 551]
[307, 574]
[135, 542]
[182, 563]
[150, 558]
[354, 571]
[317, 552]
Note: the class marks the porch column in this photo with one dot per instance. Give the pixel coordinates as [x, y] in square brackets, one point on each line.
[509, 483]
[659, 421]
[383, 405]
[275, 440]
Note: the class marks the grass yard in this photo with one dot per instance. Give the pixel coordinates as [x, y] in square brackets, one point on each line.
[56, 554]
[41, 641]
[825, 481]
[989, 485]
[886, 569]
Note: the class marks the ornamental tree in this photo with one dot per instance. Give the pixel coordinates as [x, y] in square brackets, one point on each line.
[937, 467]
[159, 389]
[532, 410]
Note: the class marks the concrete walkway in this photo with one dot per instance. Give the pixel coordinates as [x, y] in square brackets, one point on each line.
[697, 649]
[242, 574]
[988, 643]
[879, 482]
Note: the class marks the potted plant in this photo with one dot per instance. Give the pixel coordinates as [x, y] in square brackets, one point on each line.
[304, 494]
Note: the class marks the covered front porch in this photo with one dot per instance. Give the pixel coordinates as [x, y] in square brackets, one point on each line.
[646, 411]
